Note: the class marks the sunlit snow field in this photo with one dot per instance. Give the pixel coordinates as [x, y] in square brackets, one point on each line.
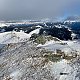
[67, 46]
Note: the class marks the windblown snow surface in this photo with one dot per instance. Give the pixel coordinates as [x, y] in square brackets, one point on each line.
[13, 37]
[64, 70]
[65, 46]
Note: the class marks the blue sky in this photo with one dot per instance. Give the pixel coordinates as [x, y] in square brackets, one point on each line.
[38, 9]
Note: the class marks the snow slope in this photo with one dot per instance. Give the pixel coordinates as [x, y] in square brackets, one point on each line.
[62, 70]
[3, 24]
[39, 26]
[36, 31]
[65, 46]
[13, 37]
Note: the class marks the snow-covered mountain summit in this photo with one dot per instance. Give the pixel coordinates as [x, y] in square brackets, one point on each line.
[13, 37]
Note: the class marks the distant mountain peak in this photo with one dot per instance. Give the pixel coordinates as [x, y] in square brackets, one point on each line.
[73, 18]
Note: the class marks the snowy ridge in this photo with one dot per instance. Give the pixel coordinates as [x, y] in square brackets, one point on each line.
[36, 31]
[3, 24]
[13, 37]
